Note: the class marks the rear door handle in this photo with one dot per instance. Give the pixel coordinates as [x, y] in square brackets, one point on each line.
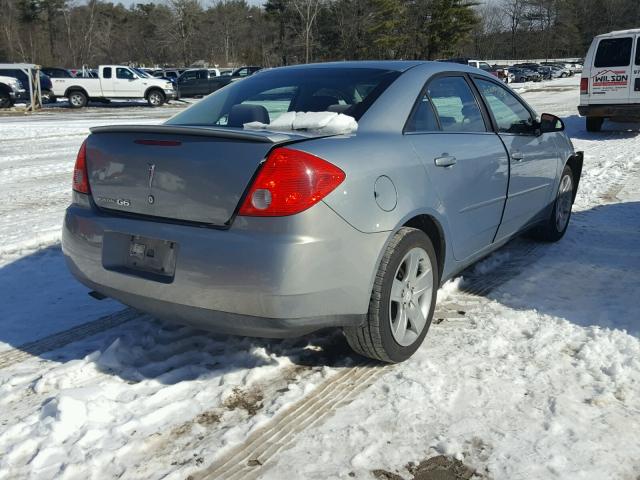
[518, 156]
[445, 161]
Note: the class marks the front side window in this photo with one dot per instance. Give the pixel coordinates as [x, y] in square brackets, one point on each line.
[613, 52]
[509, 112]
[124, 73]
[265, 97]
[637, 62]
[455, 105]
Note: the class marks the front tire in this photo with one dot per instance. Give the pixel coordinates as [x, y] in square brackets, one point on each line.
[5, 100]
[402, 301]
[155, 98]
[556, 226]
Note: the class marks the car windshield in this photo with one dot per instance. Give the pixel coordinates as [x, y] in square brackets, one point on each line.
[267, 95]
[141, 73]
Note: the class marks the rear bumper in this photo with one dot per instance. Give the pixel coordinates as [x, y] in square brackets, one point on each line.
[609, 110]
[272, 277]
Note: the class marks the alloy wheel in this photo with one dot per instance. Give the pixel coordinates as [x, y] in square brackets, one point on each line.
[411, 293]
[563, 203]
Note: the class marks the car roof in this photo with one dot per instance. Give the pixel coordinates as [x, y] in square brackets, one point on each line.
[398, 65]
[615, 33]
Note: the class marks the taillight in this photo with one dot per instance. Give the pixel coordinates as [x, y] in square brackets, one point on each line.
[80, 176]
[289, 182]
[584, 85]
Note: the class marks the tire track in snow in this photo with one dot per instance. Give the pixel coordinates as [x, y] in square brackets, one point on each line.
[58, 340]
[248, 459]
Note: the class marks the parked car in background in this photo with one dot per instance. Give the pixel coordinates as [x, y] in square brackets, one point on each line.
[114, 81]
[46, 89]
[171, 74]
[200, 81]
[525, 74]
[11, 89]
[236, 230]
[203, 81]
[610, 82]
[564, 71]
[243, 72]
[55, 72]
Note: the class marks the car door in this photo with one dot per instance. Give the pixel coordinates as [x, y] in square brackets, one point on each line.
[126, 84]
[533, 157]
[187, 83]
[610, 76]
[107, 82]
[466, 163]
[634, 88]
[203, 83]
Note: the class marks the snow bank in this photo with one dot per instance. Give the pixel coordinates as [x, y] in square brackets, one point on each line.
[322, 122]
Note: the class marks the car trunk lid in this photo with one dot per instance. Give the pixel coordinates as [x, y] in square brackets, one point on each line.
[193, 174]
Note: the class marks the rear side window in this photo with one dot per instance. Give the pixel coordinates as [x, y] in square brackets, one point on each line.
[106, 72]
[455, 105]
[638, 52]
[613, 52]
[423, 119]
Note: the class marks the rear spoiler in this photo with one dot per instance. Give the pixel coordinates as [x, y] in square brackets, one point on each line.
[245, 135]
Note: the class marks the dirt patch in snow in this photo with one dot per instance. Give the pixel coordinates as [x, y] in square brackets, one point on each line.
[248, 400]
[440, 467]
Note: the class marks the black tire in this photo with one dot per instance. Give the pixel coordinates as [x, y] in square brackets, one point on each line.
[48, 97]
[594, 124]
[156, 98]
[5, 100]
[551, 230]
[374, 339]
[77, 99]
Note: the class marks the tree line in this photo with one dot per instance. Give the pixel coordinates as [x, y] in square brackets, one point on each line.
[73, 33]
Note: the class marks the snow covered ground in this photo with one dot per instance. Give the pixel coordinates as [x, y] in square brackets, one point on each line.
[537, 377]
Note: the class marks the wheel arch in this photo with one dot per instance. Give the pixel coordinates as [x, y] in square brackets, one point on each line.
[433, 229]
[75, 88]
[575, 163]
[151, 89]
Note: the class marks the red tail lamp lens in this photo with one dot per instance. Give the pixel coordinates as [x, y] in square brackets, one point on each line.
[290, 182]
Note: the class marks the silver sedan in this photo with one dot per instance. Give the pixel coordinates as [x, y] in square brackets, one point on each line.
[283, 229]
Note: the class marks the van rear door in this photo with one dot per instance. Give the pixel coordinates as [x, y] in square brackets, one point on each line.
[634, 87]
[610, 77]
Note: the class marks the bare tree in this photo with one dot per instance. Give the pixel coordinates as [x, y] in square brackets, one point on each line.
[308, 11]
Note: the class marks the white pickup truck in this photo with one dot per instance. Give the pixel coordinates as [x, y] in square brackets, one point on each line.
[114, 81]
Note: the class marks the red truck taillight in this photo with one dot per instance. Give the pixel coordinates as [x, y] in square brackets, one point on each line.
[584, 85]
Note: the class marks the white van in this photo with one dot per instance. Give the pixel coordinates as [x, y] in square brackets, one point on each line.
[610, 83]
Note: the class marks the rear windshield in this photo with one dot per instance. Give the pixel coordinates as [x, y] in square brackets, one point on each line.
[268, 94]
[613, 52]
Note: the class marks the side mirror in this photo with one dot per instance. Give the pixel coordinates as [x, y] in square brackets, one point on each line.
[550, 123]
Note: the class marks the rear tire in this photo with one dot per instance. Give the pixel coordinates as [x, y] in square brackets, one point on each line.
[77, 99]
[594, 124]
[556, 226]
[155, 98]
[402, 301]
